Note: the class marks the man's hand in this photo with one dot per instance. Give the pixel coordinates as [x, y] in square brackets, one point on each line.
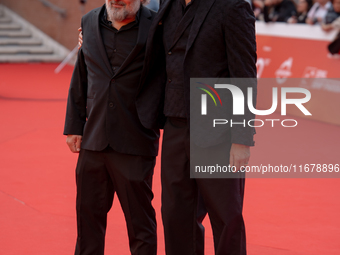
[292, 20]
[326, 27]
[80, 38]
[309, 21]
[239, 155]
[74, 142]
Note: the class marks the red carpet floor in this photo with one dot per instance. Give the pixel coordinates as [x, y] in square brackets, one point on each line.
[37, 180]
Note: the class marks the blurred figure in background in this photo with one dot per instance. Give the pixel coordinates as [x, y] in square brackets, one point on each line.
[278, 10]
[257, 6]
[318, 12]
[332, 20]
[153, 5]
[303, 7]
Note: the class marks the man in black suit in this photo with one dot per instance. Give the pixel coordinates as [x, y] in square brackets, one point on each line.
[106, 124]
[207, 39]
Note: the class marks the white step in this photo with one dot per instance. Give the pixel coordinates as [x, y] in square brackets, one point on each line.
[9, 50]
[9, 26]
[15, 34]
[20, 41]
[30, 58]
[5, 19]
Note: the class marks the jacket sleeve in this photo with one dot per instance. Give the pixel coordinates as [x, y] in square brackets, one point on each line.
[76, 102]
[241, 53]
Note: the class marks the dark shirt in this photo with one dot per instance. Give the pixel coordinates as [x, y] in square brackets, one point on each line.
[118, 43]
[177, 26]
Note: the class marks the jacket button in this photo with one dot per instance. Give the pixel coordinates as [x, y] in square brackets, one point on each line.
[111, 104]
[169, 53]
[169, 80]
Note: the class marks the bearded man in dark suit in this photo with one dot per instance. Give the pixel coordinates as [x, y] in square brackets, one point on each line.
[105, 123]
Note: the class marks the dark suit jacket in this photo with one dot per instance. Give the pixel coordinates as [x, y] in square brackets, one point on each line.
[221, 44]
[106, 108]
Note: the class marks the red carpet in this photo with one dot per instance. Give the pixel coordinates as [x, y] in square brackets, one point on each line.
[37, 180]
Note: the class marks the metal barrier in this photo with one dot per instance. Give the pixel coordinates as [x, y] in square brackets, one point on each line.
[55, 8]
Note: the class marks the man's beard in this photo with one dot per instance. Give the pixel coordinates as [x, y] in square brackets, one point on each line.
[120, 14]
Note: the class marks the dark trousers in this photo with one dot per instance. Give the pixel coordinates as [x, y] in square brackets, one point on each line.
[99, 176]
[185, 201]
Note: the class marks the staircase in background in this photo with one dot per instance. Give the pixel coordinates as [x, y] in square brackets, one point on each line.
[22, 42]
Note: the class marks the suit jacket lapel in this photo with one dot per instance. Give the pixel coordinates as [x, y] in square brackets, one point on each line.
[161, 12]
[144, 25]
[98, 35]
[151, 49]
[156, 22]
[184, 23]
[202, 11]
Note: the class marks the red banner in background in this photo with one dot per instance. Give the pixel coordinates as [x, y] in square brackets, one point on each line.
[299, 51]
